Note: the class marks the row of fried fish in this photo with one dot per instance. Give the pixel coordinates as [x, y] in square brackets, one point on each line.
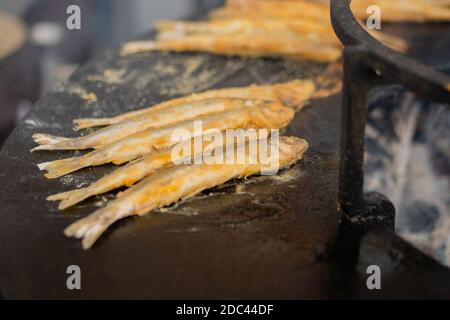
[294, 29]
[146, 137]
[392, 10]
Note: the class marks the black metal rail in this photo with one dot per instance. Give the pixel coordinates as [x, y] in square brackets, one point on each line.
[368, 63]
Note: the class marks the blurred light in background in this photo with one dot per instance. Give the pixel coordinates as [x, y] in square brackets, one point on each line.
[51, 52]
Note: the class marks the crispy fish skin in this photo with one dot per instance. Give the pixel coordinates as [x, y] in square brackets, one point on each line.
[127, 175]
[293, 94]
[280, 9]
[404, 10]
[124, 129]
[124, 176]
[294, 37]
[303, 29]
[252, 46]
[392, 10]
[171, 185]
[179, 28]
[268, 115]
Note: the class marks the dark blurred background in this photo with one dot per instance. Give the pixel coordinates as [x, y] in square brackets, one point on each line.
[37, 50]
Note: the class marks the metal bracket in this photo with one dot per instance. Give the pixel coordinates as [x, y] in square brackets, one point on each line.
[368, 63]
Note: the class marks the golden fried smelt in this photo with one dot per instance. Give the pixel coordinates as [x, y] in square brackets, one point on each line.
[124, 129]
[392, 10]
[292, 94]
[172, 184]
[293, 37]
[253, 46]
[266, 115]
[130, 174]
[304, 29]
[404, 10]
[273, 9]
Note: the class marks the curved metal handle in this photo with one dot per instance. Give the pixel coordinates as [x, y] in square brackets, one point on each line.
[387, 62]
[368, 63]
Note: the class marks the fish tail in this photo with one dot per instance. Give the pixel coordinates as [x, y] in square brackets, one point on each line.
[59, 168]
[49, 142]
[91, 122]
[62, 196]
[42, 138]
[92, 227]
[71, 198]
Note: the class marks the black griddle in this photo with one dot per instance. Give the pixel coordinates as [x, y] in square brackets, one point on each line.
[280, 239]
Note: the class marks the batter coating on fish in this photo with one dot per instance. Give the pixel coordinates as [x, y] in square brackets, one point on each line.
[124, 129]
[302, 29]
[172, 184]
[127, 175]
[392, 10]
[251, 46]
[266, 115]
[294, 37]
[168, 29]
[405, 10]
[292, 94]
[272, 9]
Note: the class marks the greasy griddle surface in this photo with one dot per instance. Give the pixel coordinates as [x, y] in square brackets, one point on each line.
[269, 240]
[262, 241]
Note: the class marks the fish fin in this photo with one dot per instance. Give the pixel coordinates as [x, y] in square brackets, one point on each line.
[62, 196]
[49, 142]
[59, 168]
[91, 122]
[74, 198]
[42, 138]
[123, 160]
[92, 227]
[70, 198]
[45, 147]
